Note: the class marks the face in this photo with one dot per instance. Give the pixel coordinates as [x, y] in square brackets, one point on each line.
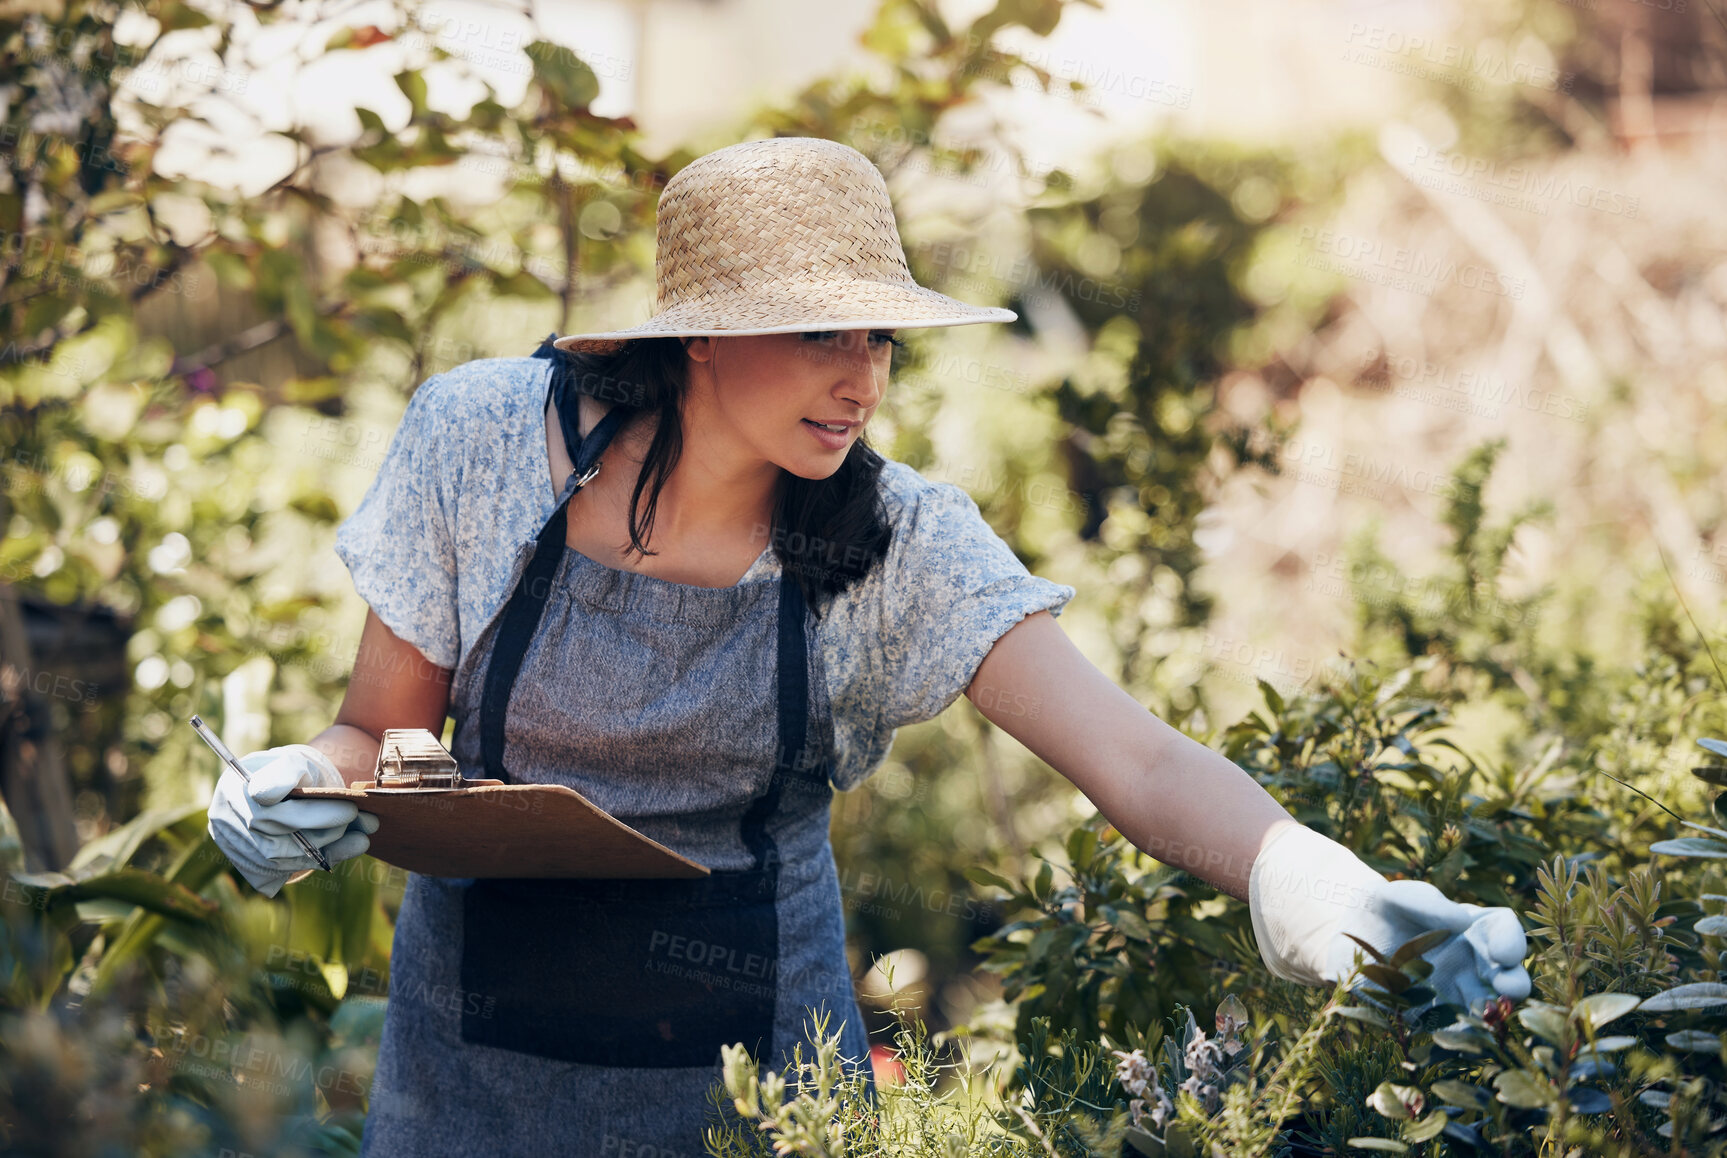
[769, 391]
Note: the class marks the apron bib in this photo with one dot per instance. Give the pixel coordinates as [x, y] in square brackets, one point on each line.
[588, 1015]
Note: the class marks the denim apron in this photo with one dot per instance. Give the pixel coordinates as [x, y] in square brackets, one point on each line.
[534, 1016]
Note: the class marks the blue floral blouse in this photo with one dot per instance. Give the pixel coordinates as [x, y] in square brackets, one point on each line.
[466, 482]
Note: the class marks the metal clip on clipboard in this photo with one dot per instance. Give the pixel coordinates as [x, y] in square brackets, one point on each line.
[411, 759]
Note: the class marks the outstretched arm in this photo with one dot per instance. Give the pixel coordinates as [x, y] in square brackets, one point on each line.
[1191, 807]
[1170, 795]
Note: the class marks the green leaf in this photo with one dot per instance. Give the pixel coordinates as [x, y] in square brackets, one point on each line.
[982, 876]
[1546, 1020]
[1399, 1103]
[1523, 1089]
[1587, 1101]
[1463, 1038]
[174, 16]
[1363, 1014]
[1609, 1044]
[1713, 926]
[1461, 1094]
[565, 77]
[1144, 1142]
[1392, 979]
[1371, 953]
[1694, 1041]
[371, 122]
[195, 869]
[413, 86]
[1272, 699]
[1128, 922]
[1420, 969]
[317, 506]
[1081, 844]
[1600, 1008]
[1415, 947]
[1040, 885]
[230, 268]
[1424, 1128]
[1698, 995]
[1389, 1145]
[521, 284]
[147, 891]
[117, 846]
[1690, 846]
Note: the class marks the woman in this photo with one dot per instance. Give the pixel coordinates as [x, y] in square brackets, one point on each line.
[801, 599]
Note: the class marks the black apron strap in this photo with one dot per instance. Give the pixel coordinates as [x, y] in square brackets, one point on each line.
[527, 603]
[793, 682]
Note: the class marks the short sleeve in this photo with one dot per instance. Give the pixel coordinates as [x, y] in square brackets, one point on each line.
[398, 545]
[951, 588]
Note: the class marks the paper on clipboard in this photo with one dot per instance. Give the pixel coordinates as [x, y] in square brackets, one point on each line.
[486, 828]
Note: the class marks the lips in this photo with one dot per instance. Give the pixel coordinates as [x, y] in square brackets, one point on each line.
[829, 437]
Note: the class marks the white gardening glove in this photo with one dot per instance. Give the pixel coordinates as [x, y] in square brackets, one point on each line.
[1307, 891]
[253, 823]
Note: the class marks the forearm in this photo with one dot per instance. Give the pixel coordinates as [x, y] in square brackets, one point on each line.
[1190, 807]
[1170, 795]
[353, 750]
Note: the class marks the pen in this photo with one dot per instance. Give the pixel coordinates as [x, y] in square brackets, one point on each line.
[221, 750]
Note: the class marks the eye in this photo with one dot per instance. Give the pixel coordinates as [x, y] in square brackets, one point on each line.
[875, 336]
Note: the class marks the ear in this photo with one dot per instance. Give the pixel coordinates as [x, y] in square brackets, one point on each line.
[699, 348]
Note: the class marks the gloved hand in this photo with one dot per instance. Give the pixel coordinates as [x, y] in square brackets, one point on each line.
[1306, 891]
[253, 824]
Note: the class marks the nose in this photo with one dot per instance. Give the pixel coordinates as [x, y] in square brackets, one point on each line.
[862, 376]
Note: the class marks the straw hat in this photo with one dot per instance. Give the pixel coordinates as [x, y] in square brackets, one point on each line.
[779, 236]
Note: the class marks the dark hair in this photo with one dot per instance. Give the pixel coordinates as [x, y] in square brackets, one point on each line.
[827, 533]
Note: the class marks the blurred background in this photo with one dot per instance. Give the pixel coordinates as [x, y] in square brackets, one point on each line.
[1349, 333]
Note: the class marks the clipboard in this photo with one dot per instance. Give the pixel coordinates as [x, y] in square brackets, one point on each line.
[433, 821]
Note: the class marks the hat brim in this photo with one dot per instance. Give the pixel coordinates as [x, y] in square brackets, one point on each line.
[789, 308]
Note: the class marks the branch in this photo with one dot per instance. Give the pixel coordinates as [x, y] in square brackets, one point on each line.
[245, 341]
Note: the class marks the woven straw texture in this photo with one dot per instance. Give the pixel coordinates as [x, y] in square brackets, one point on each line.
[778, 236]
